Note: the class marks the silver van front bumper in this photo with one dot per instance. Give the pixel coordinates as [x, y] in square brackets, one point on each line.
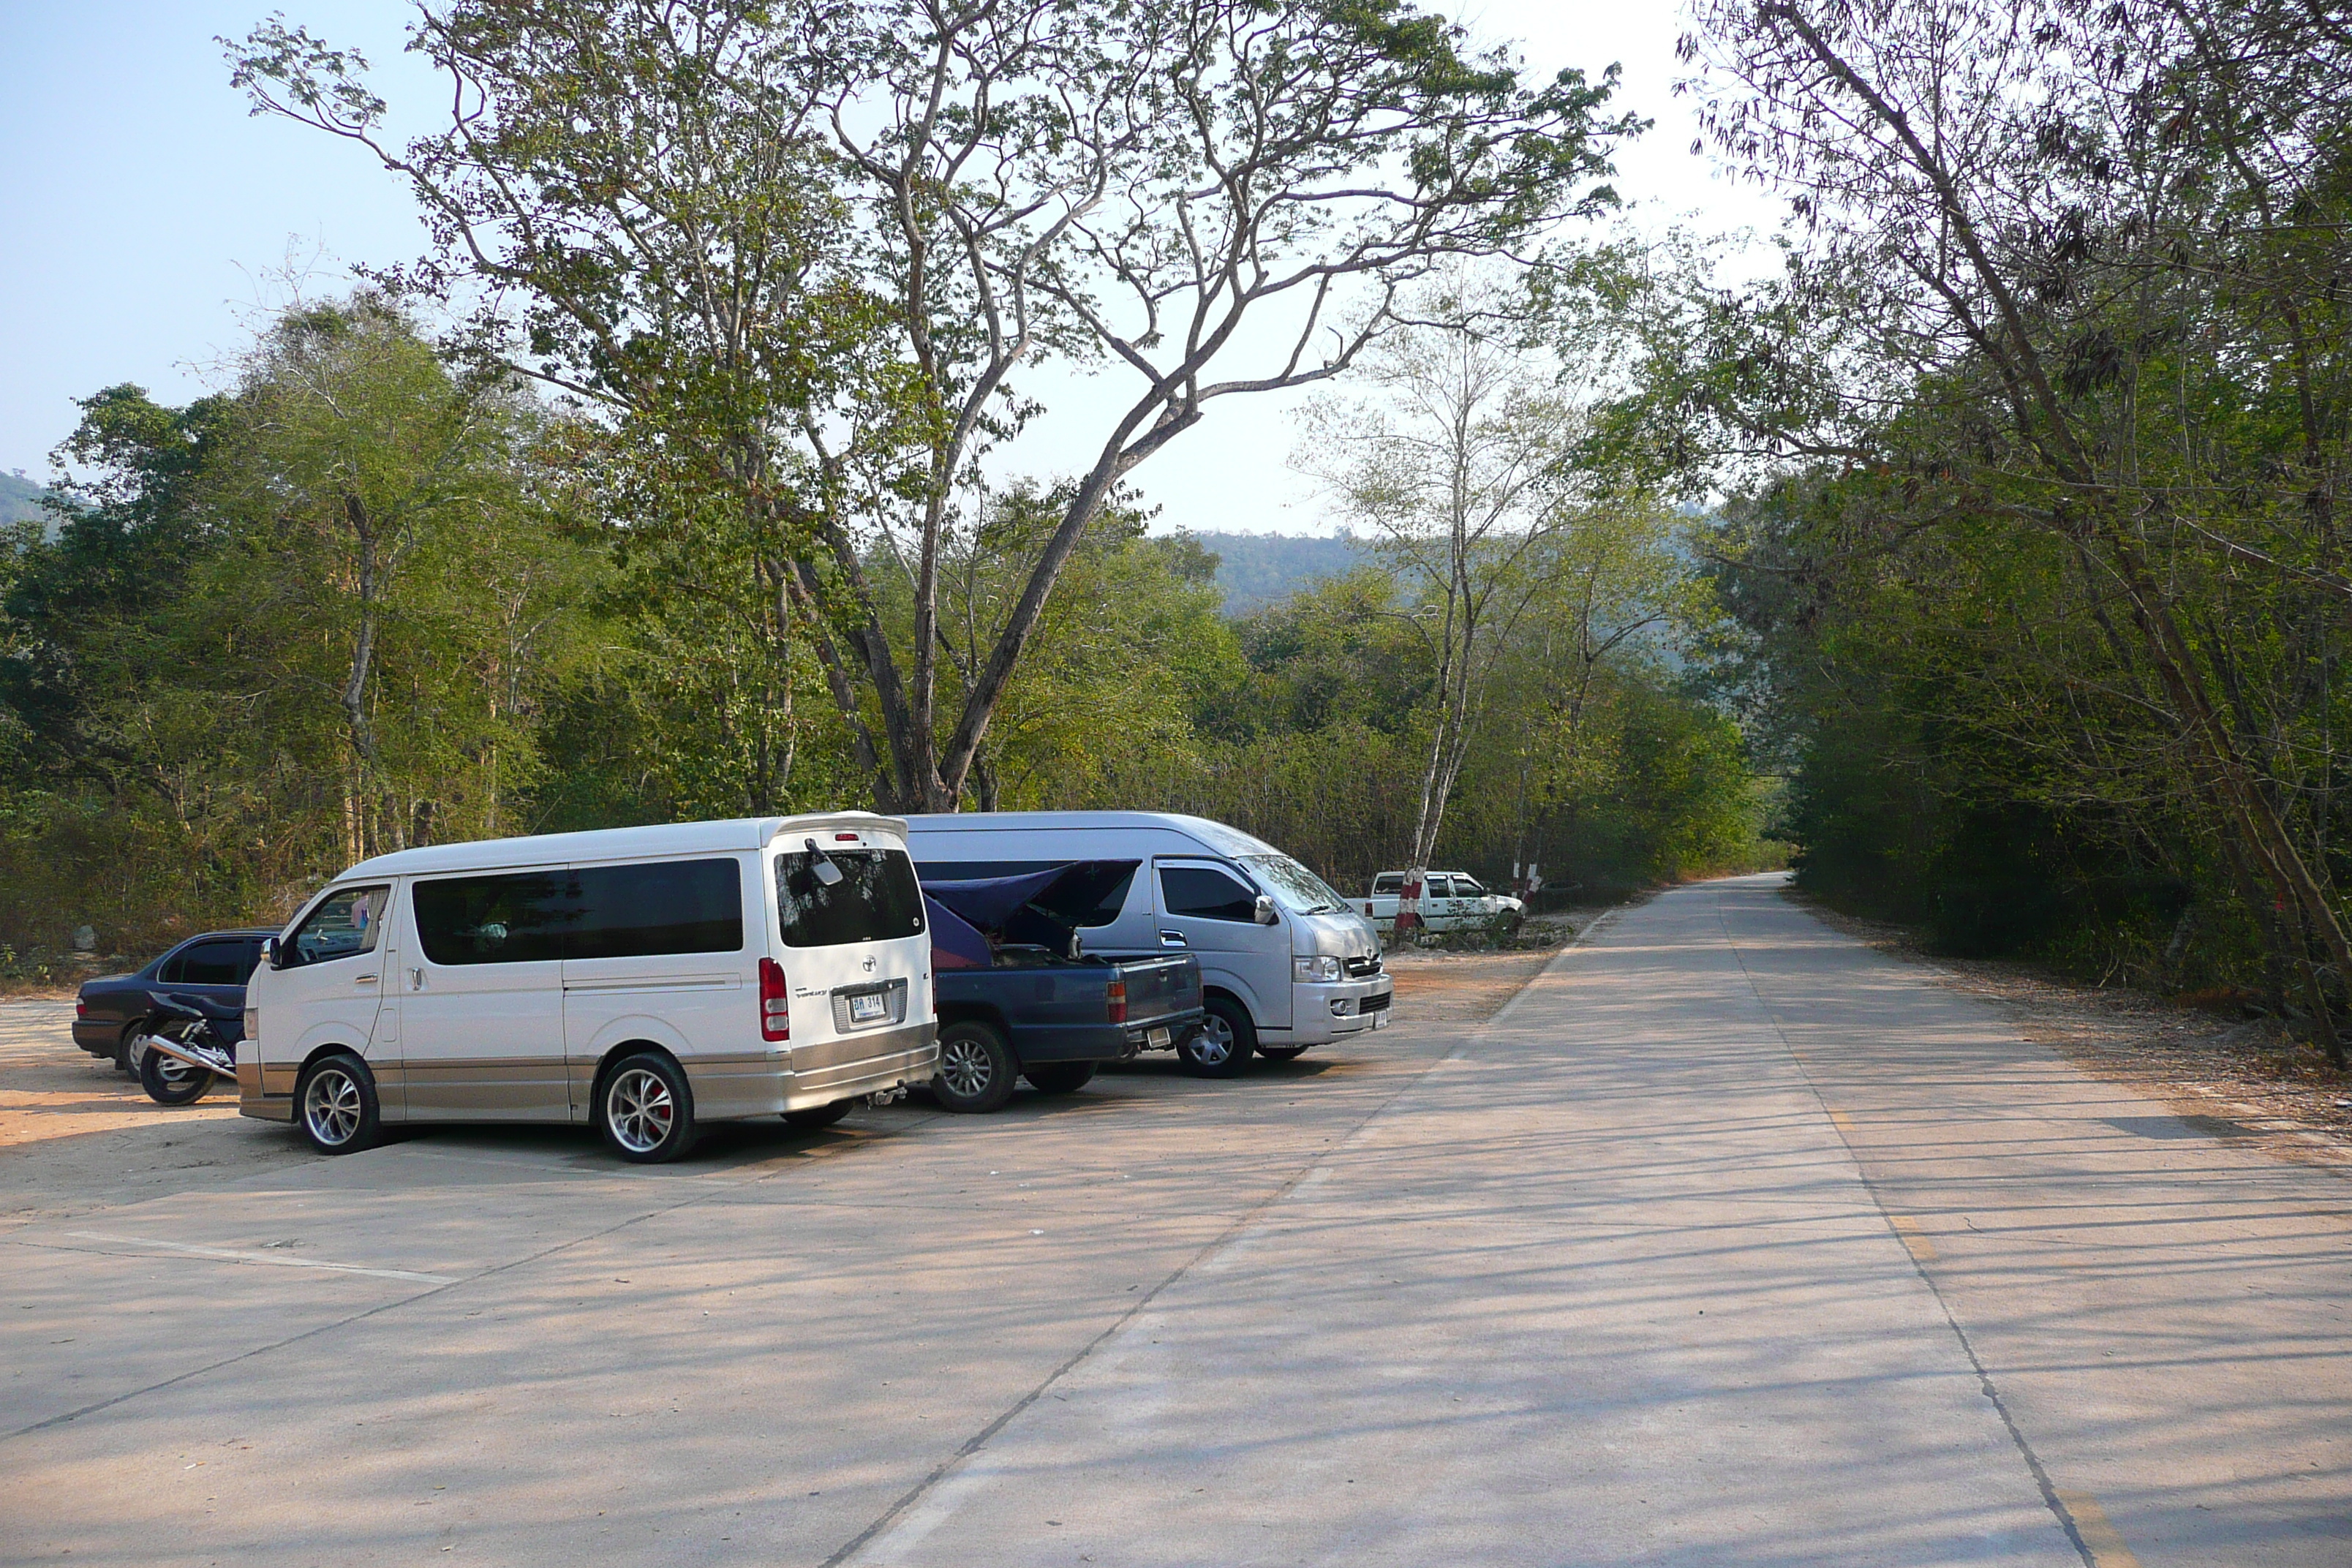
[1322, 1013]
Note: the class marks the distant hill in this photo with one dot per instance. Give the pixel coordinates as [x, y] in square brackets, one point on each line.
[20, 499]
[1260, 569]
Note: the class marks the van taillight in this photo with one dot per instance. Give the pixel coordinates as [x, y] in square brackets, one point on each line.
[1118, 994]
[775, 1002]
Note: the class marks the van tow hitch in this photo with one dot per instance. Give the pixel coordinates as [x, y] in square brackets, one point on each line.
[882, 1097]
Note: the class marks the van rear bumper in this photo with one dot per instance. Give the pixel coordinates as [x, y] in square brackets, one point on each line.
[734, 1089]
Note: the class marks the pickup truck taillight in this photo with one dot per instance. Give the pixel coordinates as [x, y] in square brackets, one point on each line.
[775, 1002]
[1117, 997]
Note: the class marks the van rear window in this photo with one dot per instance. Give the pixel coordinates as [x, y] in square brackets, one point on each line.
[876, 899]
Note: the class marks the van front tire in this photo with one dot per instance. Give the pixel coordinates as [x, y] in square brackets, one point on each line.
[335, 1105]
[644, 1111]
[1223, 1047]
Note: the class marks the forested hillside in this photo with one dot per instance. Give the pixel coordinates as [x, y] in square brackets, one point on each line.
[20, 500]
[1255, 569]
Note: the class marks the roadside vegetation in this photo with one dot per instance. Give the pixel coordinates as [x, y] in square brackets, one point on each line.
[2039, 447]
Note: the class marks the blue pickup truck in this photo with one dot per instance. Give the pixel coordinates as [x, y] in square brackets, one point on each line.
[1018, 995]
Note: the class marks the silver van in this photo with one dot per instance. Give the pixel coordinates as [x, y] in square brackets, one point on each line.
[1285, 962]
[646, 979]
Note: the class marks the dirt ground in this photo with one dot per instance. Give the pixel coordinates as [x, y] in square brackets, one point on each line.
[1469, 987]
[2235, 1078]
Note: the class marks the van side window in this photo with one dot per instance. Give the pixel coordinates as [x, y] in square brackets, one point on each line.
[876, 899]
[515, 917]
[1206, 893]
[644, 912]
[343, 925]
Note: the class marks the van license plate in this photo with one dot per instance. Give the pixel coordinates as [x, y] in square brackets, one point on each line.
[869, 1009]
[1158, 1039]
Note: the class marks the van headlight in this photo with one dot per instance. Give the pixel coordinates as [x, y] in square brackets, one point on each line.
[1323, 969]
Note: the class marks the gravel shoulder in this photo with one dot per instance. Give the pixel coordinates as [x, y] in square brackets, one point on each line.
[2240, 1079]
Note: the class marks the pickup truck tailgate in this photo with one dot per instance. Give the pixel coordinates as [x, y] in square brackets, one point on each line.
[1161, 987]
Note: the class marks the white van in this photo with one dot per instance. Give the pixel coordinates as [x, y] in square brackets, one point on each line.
[1285, 962]
[646, 979]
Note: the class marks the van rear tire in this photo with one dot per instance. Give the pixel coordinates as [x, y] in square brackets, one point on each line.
[644, 1111]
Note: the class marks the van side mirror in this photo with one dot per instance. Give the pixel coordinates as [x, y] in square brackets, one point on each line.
[269, 953]
[1265, 910]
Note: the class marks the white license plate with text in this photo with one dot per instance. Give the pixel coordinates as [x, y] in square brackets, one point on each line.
[869, 1009]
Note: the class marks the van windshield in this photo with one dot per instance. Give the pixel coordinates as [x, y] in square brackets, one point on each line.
[1294, 887]
[876, 899]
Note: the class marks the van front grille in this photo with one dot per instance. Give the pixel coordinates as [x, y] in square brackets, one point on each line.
[1358, 968]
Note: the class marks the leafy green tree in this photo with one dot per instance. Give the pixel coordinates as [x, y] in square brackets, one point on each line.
[878, 216]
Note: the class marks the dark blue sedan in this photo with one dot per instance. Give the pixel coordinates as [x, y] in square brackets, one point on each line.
[212, 968]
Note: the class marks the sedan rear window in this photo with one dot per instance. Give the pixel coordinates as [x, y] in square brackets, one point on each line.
[219, 962]
[876, 897]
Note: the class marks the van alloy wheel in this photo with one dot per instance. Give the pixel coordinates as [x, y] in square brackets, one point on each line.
[332, 1109]
[640, 1110]
[335, 1105]
[645, 1108]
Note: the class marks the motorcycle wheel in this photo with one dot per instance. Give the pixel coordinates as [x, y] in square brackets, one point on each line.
[171, 1082]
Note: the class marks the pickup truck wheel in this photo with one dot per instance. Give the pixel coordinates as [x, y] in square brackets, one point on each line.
[820, 1115]
[1279, 1053]
[1059, 1078]
[976, 1069]
[1223, 1047]
[171, 1082]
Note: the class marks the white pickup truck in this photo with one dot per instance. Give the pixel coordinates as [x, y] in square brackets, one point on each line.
[1450, 901]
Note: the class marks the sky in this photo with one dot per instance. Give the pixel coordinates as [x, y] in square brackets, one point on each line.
[150, 221]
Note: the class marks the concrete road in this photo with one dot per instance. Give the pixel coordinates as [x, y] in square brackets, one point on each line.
[1728, 1242]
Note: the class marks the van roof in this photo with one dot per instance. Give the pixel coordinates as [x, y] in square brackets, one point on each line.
[1216, 836]
[616, 843]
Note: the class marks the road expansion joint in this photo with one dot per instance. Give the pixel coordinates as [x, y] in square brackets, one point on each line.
[1316, 1167]
[1840, 1125]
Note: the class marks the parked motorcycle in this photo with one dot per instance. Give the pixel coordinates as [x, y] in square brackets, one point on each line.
[178, 1050]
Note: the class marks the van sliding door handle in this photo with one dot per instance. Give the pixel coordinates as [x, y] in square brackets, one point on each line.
[363, 979]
